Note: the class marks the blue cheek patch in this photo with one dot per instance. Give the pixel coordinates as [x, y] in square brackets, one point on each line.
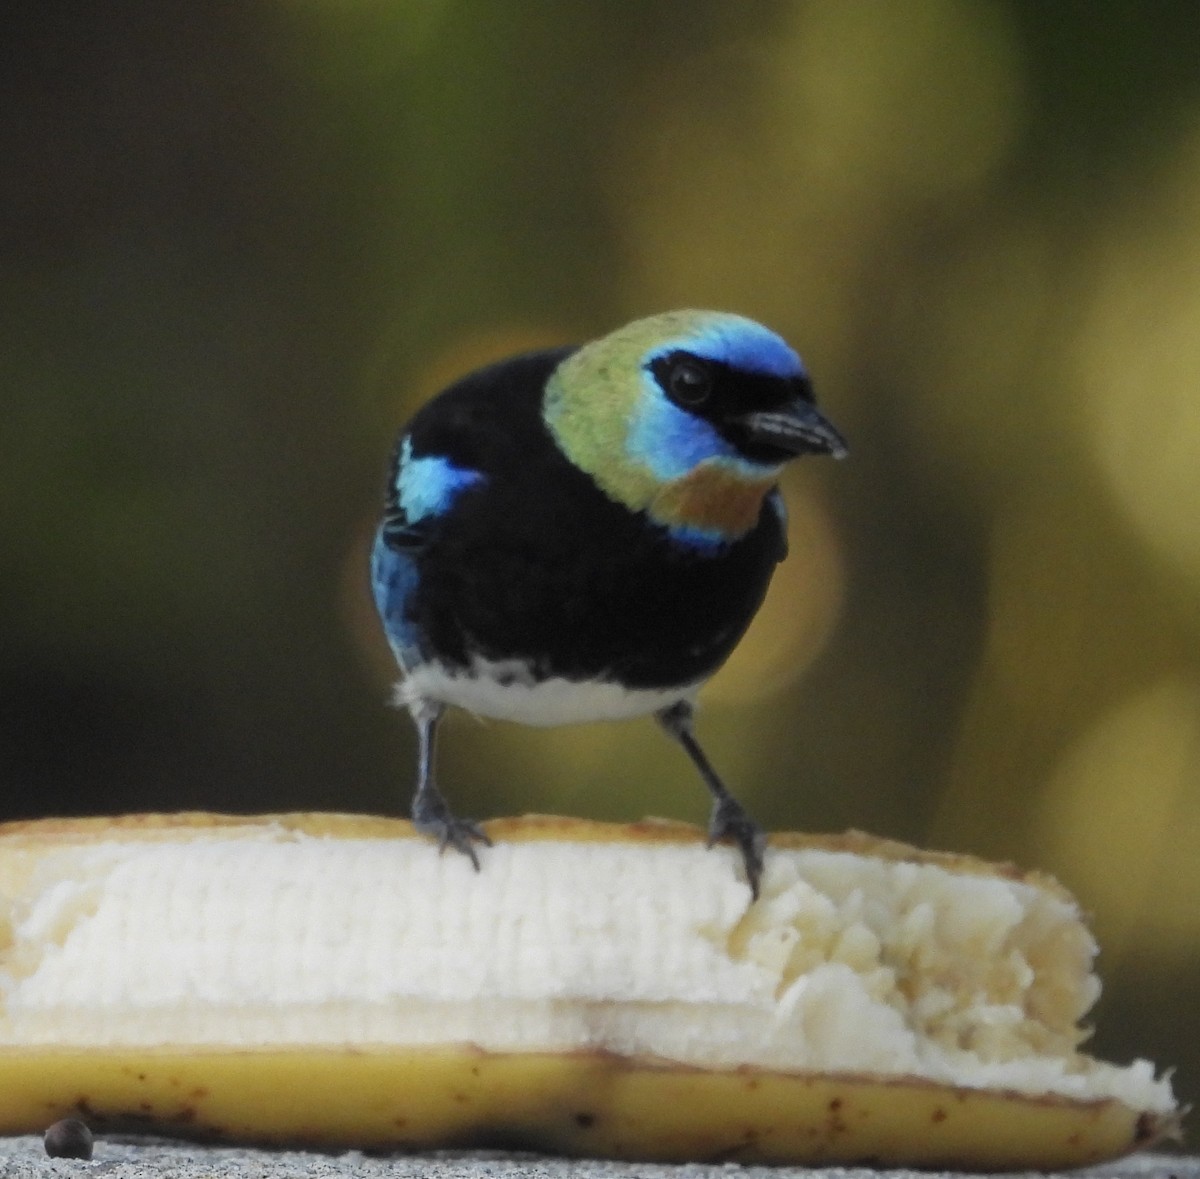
[669, 440]
[428, 485]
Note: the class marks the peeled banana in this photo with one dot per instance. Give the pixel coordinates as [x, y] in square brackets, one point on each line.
[595, 990]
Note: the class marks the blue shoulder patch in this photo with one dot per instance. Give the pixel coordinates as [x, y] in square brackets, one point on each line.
[428, 485]
[739, 342]
[425, 487]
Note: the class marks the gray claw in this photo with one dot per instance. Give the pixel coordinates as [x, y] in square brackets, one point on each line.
[431, 816]
[462, 835]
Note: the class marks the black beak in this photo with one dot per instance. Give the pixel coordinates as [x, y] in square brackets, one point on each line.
[796, 428]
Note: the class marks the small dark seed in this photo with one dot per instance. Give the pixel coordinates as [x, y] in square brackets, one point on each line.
[69, 1139]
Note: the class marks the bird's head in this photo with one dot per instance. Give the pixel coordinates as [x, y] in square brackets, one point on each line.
[688, 416]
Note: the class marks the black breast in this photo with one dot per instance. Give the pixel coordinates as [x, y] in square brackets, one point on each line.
[538, 564]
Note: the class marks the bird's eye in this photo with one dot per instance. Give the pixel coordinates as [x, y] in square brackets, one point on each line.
[689, 381]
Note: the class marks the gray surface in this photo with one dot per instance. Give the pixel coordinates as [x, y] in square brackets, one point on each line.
[24, 1158]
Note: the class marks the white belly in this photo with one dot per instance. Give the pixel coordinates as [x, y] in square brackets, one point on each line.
[507, 691]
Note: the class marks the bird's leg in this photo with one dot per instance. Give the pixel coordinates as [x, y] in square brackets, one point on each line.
[730, 819]
[430, 814]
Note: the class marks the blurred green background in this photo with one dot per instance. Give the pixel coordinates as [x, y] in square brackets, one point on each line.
[241, 242]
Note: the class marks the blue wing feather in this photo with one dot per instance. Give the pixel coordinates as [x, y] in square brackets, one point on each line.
[422, 490]
[394, 574]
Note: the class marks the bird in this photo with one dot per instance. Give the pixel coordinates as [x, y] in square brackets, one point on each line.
[584, 533]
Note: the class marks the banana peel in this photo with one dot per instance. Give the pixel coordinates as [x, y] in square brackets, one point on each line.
[580, 1104]
[110, 1008]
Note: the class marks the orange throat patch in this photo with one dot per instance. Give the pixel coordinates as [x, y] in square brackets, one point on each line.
[714, 499]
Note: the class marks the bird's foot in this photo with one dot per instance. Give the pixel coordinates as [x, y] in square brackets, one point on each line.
[730, 821]
[431, 816]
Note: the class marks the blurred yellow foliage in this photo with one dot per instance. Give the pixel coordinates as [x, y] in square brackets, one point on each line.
[1120, 818]
[1137, 357]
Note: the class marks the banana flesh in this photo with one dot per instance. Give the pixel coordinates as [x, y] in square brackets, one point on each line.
[596, 990]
